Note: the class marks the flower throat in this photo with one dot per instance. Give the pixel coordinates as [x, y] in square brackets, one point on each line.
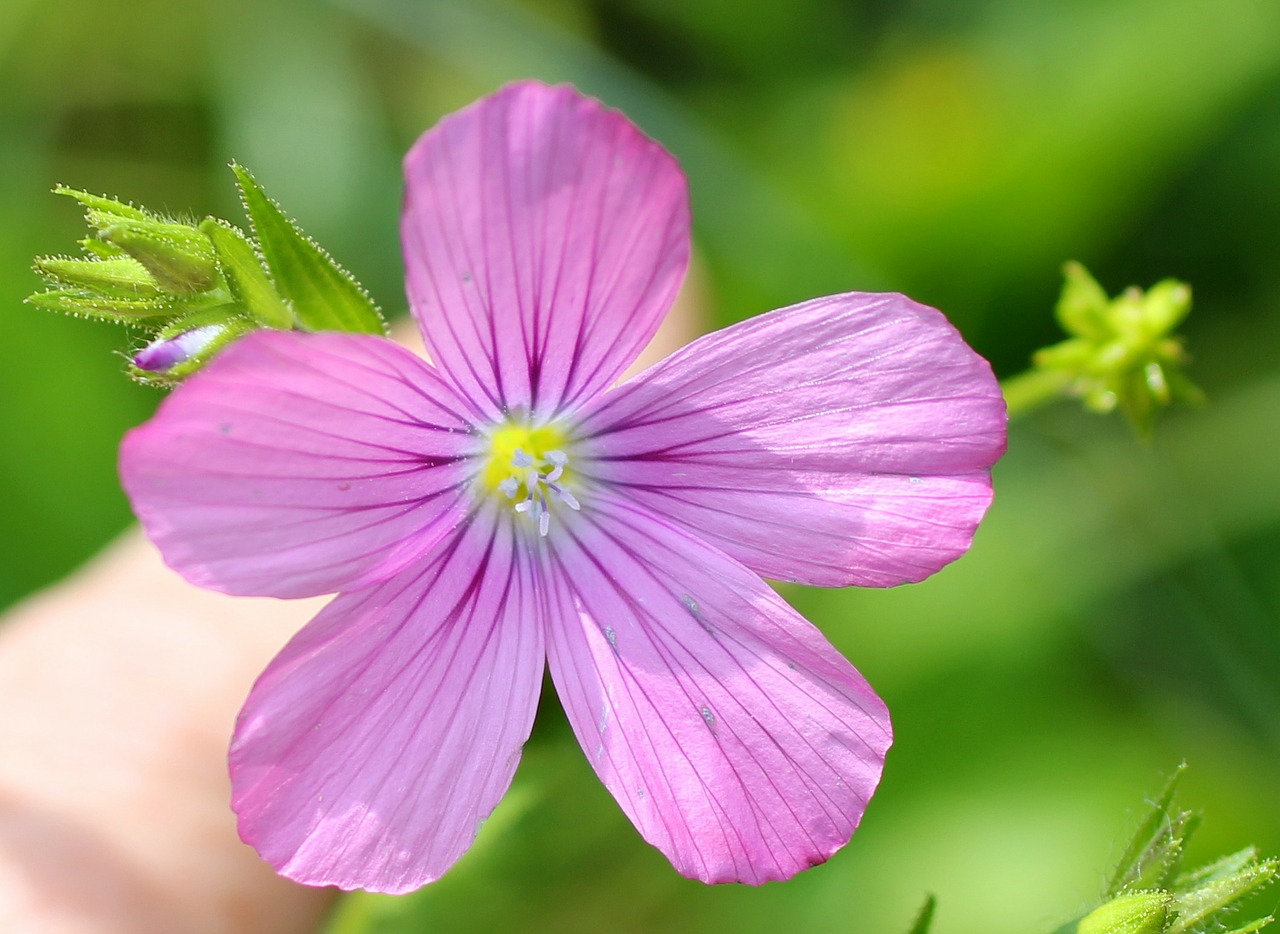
[528, 465]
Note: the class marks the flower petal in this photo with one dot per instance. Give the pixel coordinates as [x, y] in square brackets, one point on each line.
[545, 238]
[299, 464]
[735, 737]
[375, 745]
[845, 440]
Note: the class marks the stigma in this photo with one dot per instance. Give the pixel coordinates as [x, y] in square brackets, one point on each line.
[530, 469]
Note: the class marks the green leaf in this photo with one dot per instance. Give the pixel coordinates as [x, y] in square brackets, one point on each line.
[924, 920]
[245, 276]
[324, 296]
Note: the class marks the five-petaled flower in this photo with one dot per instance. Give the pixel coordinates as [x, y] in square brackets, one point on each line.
[507, 504]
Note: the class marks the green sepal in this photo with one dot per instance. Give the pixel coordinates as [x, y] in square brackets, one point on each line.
[1206, 902]
[1153, 854]
[103, 205]
[324, 297]
[245, 275]
[226, 324]
[85, 304]
[120, 277]
[179, 256]
[101, 249]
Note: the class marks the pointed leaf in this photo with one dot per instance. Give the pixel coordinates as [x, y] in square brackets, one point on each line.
[924, 920]
[324, 296]
[246, 278]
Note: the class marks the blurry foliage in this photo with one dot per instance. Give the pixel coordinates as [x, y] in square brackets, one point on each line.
[1119, 608]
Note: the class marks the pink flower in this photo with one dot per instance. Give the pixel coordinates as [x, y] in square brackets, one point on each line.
[509, 504]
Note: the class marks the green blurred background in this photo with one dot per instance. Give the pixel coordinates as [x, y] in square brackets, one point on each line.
[1119, 609]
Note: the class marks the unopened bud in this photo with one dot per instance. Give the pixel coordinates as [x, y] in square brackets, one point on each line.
[180, 257]
[1122, 352]
[185, 346]
[1131, 913]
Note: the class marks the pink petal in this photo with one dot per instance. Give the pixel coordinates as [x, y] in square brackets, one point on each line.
[375, 745]
[735, 737]
[545, 238]
[298, 464]
[846, 440]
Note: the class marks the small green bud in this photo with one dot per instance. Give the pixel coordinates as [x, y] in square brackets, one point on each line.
[1121, 353]
[1131, 913]
[1081, 308]
[179, 256]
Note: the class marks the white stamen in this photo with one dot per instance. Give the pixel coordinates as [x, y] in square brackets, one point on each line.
[527, 473]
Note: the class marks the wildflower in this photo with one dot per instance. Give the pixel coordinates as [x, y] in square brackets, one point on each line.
[504, 505]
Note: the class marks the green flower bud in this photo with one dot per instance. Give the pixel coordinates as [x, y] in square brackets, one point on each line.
[1121, 354]
[1131, 913]
[179, 256]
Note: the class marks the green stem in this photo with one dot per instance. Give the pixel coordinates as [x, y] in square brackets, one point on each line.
[1033, 389]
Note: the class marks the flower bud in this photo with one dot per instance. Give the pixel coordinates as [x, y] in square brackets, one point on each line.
[180, 257]
[1131, 913]
[183, 347]
[1121, 353]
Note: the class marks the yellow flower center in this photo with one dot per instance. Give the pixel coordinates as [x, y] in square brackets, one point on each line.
[528, 465]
